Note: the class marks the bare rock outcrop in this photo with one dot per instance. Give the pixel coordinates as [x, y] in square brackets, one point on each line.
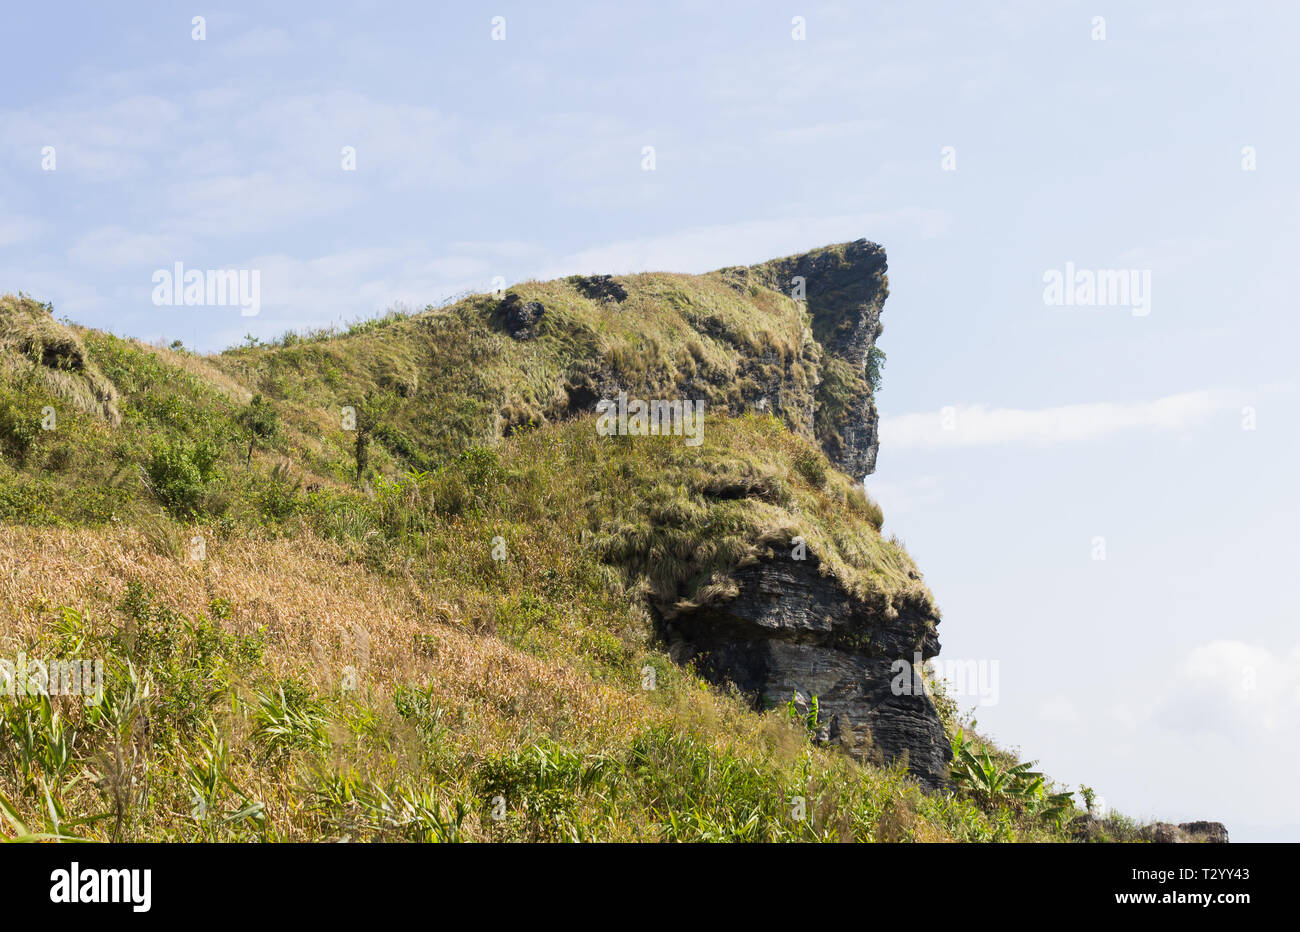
[792, 632]
[1184, 832]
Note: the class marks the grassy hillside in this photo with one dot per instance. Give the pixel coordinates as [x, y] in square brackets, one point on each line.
[455, 642]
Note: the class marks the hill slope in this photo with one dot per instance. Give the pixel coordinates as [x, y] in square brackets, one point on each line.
[400, 582]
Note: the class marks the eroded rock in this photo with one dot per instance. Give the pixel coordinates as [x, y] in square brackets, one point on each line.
[792, 631]
[519, 317]
[600, 287]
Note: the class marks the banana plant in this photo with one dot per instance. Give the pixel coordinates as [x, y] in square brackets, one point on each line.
[991, 784]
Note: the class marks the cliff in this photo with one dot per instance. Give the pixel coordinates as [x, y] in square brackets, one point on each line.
[408, 561]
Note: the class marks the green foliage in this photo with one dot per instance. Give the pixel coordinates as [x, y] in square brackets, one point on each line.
[180, 473]
[351, 808]
[278, 495]
[875, 365]
[261, 422]
[211, 787]
[804, 713]
[993, 784]
[539, 787]
[18, 431]
[289, 719]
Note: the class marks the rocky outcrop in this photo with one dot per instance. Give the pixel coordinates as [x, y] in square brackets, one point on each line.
[600, 287]
[34, 343]
[845, 288]
[791, 632]
[1184, 832]
[820, 388]
[1213, 832]
[519, 317]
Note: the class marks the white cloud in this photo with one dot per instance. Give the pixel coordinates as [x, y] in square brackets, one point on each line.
[701, 249]
[1232, 689]
[824, 133]
[114, 247]
[96, 140]
[911, 494]
[980, 425]
[18, 229]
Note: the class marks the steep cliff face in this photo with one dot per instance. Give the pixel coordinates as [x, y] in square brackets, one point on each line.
[792, 632]
[751, 349]
[845, 287]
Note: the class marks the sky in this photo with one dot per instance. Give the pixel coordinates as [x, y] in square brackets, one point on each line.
[1101, 495]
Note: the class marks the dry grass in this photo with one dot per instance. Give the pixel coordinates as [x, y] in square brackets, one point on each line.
[317, 611]
[34, 344]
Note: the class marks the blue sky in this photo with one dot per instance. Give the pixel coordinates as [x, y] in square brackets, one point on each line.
[1166, 675]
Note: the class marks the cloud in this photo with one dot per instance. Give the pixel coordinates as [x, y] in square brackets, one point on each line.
[1230, 689]
[95, 140]
[115, 247]
[917, 493]
[18, 229]
[701, 249]
[824, 133]
[980, 425]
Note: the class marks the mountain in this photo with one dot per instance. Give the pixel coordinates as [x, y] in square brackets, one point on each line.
[586, 559]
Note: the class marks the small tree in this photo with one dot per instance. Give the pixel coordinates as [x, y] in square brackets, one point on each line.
[874, 364]
[261, 422]
[371, 413]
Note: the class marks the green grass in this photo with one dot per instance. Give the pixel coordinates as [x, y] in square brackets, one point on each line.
[503, 530]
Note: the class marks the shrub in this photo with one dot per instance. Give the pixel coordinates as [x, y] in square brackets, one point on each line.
[279, 498]
[18, 431]
[875, 363]
[179, 474]
[260, 421]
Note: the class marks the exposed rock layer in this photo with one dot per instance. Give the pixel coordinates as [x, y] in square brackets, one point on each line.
[1183, 832]
[794, 633]
[845, 288]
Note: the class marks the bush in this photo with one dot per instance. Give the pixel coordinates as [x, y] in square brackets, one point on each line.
[179, 474]
[18, 431]
[875, 363]
[278, 499]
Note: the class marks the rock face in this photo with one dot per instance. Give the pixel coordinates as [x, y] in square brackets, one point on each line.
[793, 633]
[520, 318]
[1205, 832]
[845, 288]
[820, 389]
[1214, 832]
[600, 287]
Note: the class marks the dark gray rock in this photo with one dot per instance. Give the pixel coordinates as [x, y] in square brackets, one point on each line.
[520, 318]
[1212, 832]
[600, 287]
[1166, 833]
[791, 630]
[845, 288]
[1163, 833]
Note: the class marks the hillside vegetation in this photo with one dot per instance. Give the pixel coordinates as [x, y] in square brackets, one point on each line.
[390, 583]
